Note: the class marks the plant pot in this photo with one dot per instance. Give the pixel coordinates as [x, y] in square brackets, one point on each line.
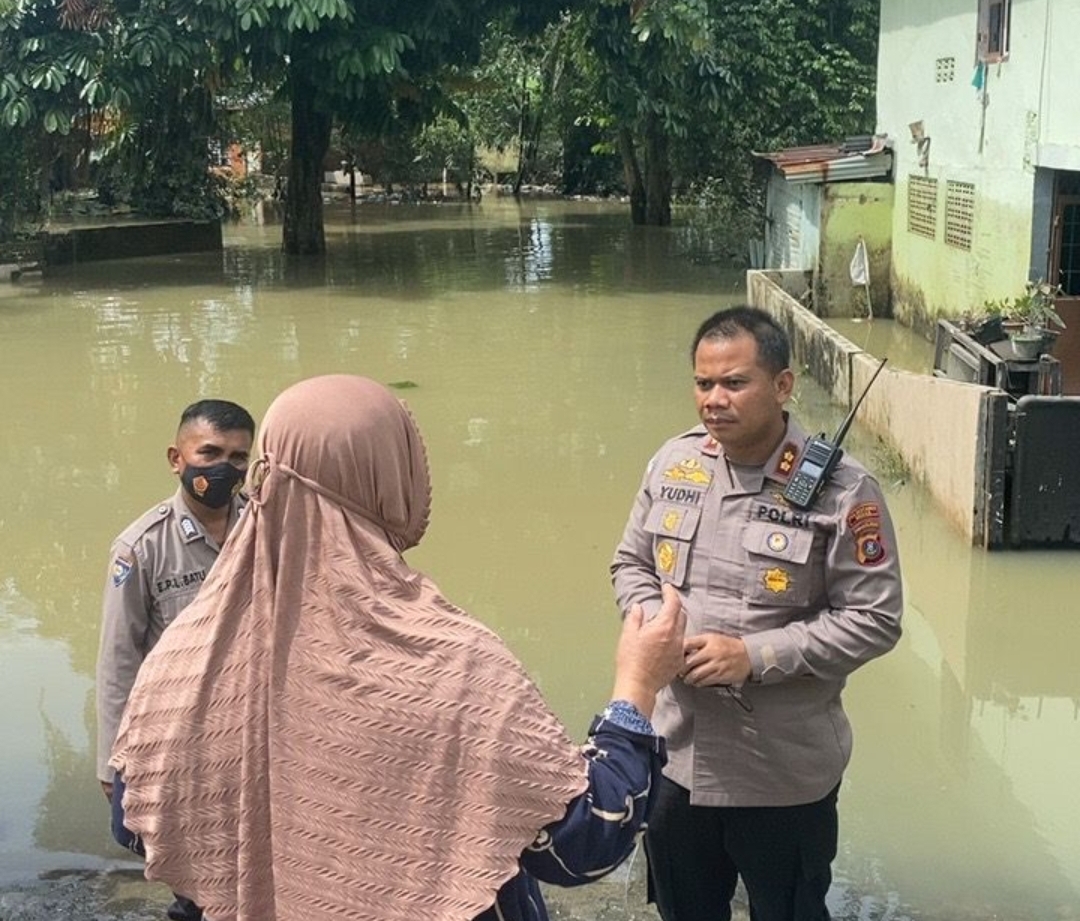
[1049, 337]
[1027, 346]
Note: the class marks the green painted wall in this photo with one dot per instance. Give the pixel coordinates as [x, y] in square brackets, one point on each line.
[932, 279]
[850, 210]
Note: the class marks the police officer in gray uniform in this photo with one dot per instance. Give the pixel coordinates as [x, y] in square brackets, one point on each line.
[156, 567]
[782, 604]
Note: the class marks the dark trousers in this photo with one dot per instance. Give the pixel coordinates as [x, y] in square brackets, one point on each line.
[124, 836]
[182, 908]
[697, 853]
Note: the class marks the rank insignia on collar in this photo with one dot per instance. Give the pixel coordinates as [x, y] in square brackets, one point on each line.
[187, 527]
[788, 455]
[121, 569]
[688, 471]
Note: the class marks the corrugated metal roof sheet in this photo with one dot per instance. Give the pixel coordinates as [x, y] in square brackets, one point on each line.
[834, 162]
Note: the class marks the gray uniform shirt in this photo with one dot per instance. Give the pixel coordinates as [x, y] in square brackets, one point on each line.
[813, 595]
[155, 569]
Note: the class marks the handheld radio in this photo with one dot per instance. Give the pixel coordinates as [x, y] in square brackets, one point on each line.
[820, 457]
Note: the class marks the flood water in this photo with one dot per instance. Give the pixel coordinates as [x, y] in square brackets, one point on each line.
[543, 349]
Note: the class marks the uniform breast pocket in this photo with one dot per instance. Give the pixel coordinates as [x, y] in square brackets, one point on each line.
[780, 565]
[174, 602]
[672, 528]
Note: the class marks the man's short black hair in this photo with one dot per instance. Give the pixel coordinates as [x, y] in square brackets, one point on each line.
[774, 348]
[221, 414]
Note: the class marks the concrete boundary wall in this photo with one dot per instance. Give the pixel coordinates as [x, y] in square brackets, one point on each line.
[125, 241]
[948, 433]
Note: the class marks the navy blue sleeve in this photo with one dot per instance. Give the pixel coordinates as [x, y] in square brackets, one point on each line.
[601, 825]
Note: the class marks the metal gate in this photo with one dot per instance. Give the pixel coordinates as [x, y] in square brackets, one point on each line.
[1044, 488]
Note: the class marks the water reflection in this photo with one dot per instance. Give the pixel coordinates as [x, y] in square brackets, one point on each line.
[532, 260]
[981, 720]
[548, 349]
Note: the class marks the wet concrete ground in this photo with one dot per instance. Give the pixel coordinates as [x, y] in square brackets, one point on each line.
[123, 895]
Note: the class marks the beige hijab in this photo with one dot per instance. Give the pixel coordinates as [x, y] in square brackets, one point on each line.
[321, 734]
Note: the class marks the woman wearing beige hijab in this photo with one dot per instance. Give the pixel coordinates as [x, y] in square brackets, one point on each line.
[322, 735]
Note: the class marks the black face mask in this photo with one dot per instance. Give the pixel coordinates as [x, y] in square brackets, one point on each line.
[213, 486]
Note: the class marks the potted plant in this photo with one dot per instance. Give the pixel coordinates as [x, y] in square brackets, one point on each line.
[1039, 320]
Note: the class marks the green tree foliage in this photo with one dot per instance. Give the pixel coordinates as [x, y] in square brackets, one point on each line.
[509, 100]
[44, 102]
[364, 63]
[687, 90]
[19, 180]
[370, 65]
[803, 72]
[657, 71]
[111, 81]
[680, 91]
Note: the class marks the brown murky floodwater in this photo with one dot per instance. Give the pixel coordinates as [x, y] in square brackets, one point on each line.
[548, 349]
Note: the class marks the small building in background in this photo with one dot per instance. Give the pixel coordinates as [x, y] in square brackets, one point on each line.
[820, 202]
[233, 159]
[982, 93]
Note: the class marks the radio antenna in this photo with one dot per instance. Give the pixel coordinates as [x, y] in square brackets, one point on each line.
[846, 424]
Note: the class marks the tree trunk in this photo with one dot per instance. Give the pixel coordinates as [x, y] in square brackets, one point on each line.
[523, 120]
[635, 185]
[657, 174]
[302, 227]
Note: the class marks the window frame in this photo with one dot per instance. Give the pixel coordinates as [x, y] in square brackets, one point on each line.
[994, 30]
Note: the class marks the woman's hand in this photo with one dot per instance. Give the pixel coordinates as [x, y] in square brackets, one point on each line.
[650, 652]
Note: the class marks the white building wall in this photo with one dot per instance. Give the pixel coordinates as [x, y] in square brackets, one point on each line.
[1057, 100]
[1026, 114]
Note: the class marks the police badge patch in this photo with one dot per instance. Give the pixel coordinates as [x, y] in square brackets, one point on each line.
[776, 580]
[777, 542]
[865, 523]
[666, 557]
[121, 569]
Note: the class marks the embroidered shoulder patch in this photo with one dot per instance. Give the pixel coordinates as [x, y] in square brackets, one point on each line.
[121, 569]
[865, 523]
[869, 550]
